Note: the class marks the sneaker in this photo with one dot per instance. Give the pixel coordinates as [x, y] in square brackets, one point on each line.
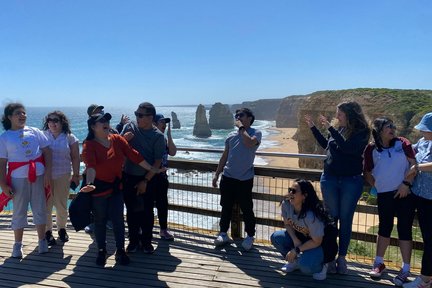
[401, 278]
[341, 265]
[247, 243]
[121, 257]
[43, 246]
[418, 283]
[64, 237]
[132, 247]
[166, 235]
[50, 238]
[17, 251]
[331, 267]
[290, 267]
[377, 270]
[148, 249]
[321, 275]
[101, 257]
[222, 239]
[89, 228]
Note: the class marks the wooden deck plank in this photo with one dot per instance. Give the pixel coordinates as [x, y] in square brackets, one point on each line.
[190, 261]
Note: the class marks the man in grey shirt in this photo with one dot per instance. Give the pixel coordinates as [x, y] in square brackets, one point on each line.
[140, 185]
[237, 178]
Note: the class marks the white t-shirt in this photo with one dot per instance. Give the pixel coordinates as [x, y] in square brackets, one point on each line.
[23, 145]
[61, 158]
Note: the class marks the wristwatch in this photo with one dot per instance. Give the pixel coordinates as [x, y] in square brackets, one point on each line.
[297, 250]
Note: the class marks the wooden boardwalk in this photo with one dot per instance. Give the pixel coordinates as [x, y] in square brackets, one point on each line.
[190, 261]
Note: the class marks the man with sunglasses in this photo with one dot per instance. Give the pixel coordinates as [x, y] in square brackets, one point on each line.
[236, 183]
[140, 186]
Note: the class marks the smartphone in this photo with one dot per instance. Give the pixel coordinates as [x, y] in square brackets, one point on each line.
[73, 186]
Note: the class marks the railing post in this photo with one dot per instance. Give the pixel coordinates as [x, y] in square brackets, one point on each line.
[236, 224]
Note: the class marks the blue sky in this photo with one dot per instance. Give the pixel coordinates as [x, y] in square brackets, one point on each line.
[121, 53]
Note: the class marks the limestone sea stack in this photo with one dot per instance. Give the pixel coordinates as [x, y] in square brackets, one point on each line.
[201, 127]
[175, 121]
[220, 117]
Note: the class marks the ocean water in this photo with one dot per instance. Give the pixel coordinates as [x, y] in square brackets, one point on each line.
[182, 137]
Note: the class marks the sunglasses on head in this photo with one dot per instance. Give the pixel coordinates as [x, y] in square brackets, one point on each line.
[390, 125]
[292, 190]
[239, 115]
[142, 115]
[53, 120]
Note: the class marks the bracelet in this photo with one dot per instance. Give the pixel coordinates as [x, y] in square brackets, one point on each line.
[407, 183]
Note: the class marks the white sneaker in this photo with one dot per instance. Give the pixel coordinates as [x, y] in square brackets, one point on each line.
[222, 239]
[17, 251]
[290, 267]
[248, 242]
[43, 246]
[418, 283]
[321, 275]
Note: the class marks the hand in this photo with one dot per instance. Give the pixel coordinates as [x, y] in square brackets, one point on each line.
[324, 121]
[75, 179]
[141, 187]
[8, 191]
[169, 130]
[124, 119]
[291, 256]
[309, 120]
[87, 188]
[411, 172]
[215, 181]
[402, 191]
[128, 136]
[238, 123]
[47, 179]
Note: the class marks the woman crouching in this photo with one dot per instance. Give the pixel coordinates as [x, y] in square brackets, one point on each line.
[301, 243]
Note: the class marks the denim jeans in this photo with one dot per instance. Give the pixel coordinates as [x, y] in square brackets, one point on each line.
[105, 208]
[341, 194]
[310, 261]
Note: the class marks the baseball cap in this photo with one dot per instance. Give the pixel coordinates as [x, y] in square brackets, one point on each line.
[159, 117]
[92, 108]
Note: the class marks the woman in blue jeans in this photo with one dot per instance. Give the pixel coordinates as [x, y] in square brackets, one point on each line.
[301, 242]
[342, 181]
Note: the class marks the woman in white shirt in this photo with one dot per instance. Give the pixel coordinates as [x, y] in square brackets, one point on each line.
[65, 159]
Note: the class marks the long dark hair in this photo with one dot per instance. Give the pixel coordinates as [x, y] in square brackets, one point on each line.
[8, 111]
[378, 126]
[63, 120]
[356, 120]
[312, 202]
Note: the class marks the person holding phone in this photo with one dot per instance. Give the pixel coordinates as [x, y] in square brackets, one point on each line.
[65, 153]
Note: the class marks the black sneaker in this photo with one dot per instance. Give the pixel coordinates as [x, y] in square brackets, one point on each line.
[50, 238]
[101, 257]
[64, 237]
[121, 257]
[132, 247]
[148, 249]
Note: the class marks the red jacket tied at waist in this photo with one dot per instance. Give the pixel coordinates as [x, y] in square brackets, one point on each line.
[31, 171]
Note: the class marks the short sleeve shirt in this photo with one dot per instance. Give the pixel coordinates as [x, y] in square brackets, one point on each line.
[240, 160]
[423, 182]
[61, 157]
[23, 145]
[309, 225]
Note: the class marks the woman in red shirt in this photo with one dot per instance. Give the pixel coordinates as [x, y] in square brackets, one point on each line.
[104, 154]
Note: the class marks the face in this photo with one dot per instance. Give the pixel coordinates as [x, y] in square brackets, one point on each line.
[296, 197]
[18, 119]
[144, 118]
[54, 123]
[101, 128]
[388, 132]
[341, 117]
[161, 125]
[242, 117]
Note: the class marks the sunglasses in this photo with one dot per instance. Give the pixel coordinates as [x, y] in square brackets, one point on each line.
[141, 115]
[239, 115]
[292, 190]
[53, 120]
[391, 126]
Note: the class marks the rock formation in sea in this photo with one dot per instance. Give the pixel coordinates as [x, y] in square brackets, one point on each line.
[287, 111]
[175, 121]
[264, 109]
[404, 107]
[201, 127]
[221, 117]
